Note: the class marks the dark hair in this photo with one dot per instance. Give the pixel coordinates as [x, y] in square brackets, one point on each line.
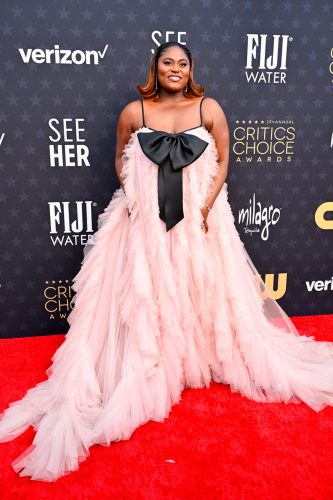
[149, 89]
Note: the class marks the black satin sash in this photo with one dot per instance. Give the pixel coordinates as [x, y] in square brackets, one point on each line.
[172, 152]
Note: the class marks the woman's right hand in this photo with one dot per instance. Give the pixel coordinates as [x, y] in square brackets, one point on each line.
[204, 225]
[204, 213]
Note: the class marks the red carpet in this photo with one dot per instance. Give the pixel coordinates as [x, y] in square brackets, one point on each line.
[222, 446]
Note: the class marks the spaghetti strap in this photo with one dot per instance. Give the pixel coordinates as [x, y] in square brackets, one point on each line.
[143, 114]
[201, 110]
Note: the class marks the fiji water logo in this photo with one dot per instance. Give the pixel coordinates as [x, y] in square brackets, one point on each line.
[71, 223]
[266, 58]
[258, 219]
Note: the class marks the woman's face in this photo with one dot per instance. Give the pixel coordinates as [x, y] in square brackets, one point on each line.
[173, 69]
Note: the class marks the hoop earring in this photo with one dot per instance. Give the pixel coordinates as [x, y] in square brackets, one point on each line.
[156, 82]
[186, 88]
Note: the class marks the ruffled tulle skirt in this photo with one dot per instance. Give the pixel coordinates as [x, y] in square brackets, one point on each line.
[156, 312]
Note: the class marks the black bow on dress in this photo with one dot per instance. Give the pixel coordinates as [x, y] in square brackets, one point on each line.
[172, 152]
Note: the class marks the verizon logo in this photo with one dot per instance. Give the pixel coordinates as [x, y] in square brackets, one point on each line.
[62, 56]
[319, 285]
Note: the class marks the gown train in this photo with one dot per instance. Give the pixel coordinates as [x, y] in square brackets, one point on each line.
[157, 311]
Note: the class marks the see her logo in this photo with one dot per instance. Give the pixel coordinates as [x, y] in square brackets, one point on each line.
[67, 150]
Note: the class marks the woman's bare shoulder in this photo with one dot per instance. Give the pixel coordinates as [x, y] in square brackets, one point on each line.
[211, 103]
[130, 115]
[212, 108]
[131, 108]
[213, 114]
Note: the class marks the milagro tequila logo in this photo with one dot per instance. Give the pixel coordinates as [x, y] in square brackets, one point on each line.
[258, 219]
[62, 56]
[71, 222]
[263, 141]
[267, 58]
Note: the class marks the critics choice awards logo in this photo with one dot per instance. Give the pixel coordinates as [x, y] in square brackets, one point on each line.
[58, 296]
[263, 141]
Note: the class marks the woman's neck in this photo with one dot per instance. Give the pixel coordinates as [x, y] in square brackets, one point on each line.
[172, 97]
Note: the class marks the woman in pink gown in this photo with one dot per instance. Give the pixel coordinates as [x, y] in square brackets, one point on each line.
[168, 296]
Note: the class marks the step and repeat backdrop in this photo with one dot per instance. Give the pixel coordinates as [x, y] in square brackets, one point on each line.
[67, 70]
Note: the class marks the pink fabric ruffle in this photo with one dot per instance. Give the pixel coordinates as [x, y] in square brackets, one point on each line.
[156, 312]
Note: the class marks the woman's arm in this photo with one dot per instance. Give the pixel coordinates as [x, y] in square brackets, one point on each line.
[125, 127]
[217, 125]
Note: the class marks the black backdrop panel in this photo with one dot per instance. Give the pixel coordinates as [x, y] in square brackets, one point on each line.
[68, 68]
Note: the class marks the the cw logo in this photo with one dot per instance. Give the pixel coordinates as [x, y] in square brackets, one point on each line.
[319, 215]
[269, 290]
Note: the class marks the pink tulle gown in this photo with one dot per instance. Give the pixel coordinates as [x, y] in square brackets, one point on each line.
[158, 309]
